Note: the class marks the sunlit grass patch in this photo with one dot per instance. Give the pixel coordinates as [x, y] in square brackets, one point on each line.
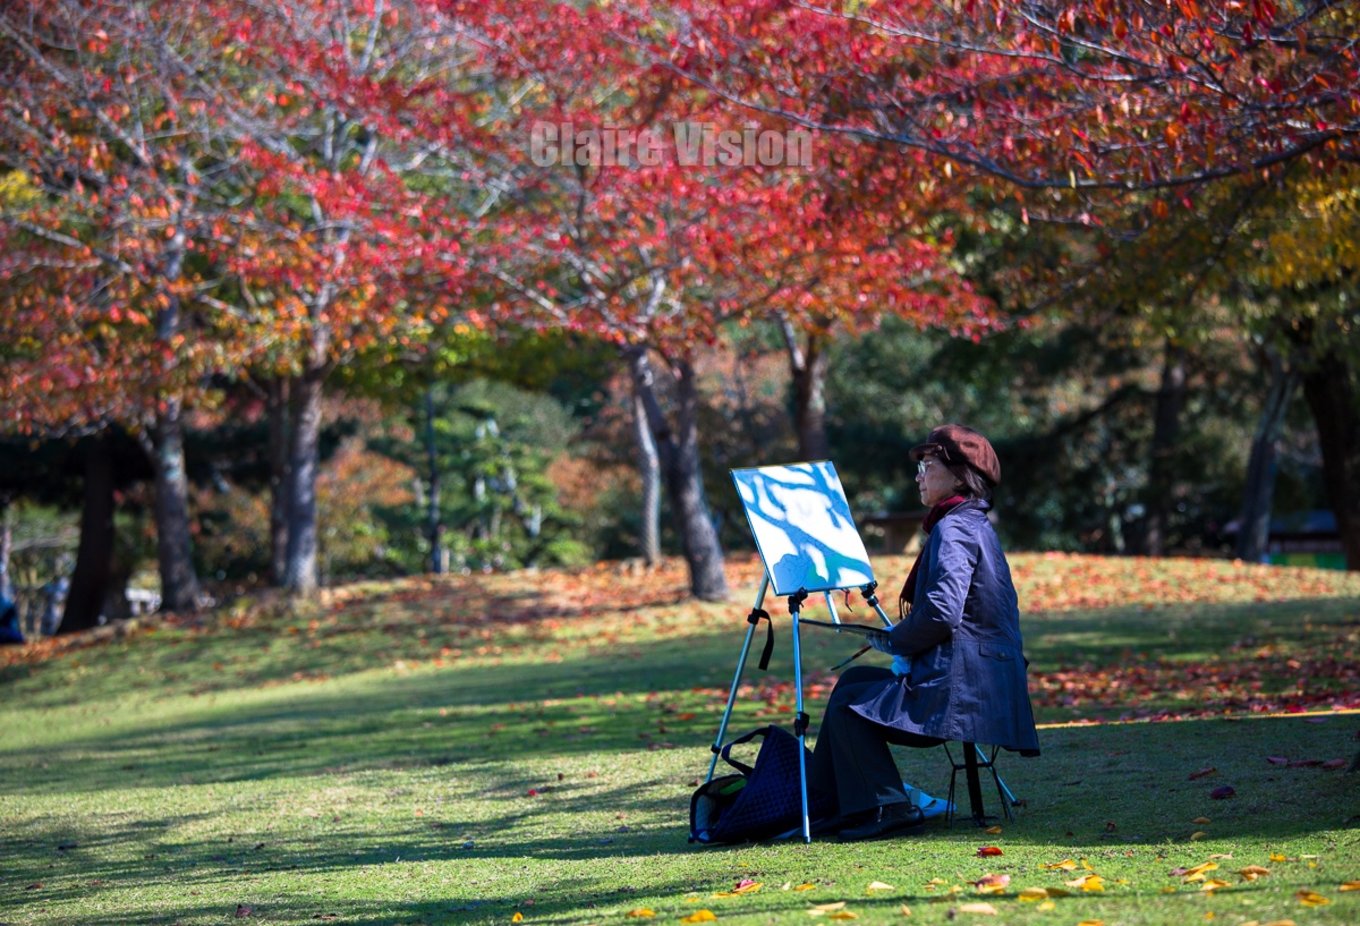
[460, 750]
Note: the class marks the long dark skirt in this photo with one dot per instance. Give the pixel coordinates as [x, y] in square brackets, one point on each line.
[851, 763]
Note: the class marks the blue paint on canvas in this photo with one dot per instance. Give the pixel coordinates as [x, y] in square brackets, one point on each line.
[802, 526]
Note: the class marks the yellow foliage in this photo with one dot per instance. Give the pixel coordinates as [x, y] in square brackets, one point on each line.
[1311, 232]
[17, 189]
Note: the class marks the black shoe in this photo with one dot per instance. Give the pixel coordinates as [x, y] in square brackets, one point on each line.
[887, 820]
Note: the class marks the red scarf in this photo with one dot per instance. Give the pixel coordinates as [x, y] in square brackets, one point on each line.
[941, 509]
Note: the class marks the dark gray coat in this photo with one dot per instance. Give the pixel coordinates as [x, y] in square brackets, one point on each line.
[967, 680]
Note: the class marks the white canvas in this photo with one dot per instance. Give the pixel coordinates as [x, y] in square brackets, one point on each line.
[802, 527]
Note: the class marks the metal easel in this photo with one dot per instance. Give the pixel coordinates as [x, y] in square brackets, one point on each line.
[801, 720]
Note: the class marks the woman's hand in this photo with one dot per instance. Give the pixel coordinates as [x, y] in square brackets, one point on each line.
[880, 641]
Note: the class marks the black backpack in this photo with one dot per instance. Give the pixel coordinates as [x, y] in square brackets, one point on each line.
[759, 802]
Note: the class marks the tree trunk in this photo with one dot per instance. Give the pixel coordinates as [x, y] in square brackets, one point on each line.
[1159, 497]
[434, 519]
[277, 410]
[174, 544]
[94, 555]
[1253, 534]
[649, 467]
[1330, 390]
[300, 575]
[678, 450]
[807, 369]
[6, 548]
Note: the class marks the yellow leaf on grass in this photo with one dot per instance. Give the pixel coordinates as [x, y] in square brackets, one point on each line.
[1046, 906]
[843, 915]
[699, 916]
[1252, 872]
[1087, 883]
[1280, 923]
[1201, 821]
[642, 913]
[517, 918]
[979, 907]
[1065, 865]
[1278, 857]
[1213, 884]
[1168, 890]
[805, 887]
[1197, 835]
[1311, 899]
[1197, 873]
[828, 907]
[904, 910]
[879, 886]
[993, 831]
[1091, 923]
[1351, 886]
[1032, 894]
[747, 887]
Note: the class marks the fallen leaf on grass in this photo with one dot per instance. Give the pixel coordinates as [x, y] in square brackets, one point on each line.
[1033, 894]
[1351, 886]
[1065, 865]
[642, 913]
[1196, 873]
[980, 907]
[904, 910]
[805, 887]
[1203, 773]
[745, 886]
[1091, 923]
[828, 907]
[517, 918]
[1197, 835]
[987, 851]
[1087, 883]
[993, 830]
[699, 916]
[1278, 857]
[1213, 884]
[1252, 872]
[843, 915]
[243, 910]
[1311, 899]
[1201, 821]
[1223, 792]
[992, 884]
[879, 886]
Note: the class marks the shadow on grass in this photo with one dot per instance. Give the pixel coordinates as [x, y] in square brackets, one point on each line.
[607, 698]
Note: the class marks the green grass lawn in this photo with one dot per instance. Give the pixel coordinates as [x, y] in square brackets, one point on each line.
[483, 750]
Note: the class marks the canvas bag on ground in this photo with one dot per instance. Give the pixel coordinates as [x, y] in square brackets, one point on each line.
[764, 800]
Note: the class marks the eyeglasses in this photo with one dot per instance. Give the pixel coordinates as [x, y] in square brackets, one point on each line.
[923, 466]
